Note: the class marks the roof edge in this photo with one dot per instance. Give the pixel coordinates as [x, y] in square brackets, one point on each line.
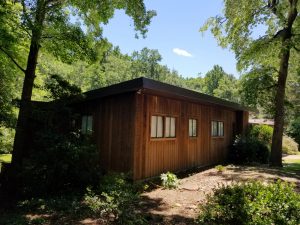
[164, 88]
[183, 92]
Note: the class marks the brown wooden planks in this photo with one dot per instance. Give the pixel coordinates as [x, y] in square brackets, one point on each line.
[183, 151]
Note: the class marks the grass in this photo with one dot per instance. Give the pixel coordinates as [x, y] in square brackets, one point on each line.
[291, 165]
[6, 158]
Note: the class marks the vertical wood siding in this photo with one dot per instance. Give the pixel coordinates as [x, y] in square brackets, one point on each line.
[113, 120]
[156, 155]
[121, 126]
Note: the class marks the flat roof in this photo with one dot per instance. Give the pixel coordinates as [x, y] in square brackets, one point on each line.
[146, 85]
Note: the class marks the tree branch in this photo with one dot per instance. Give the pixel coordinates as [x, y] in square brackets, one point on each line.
[272, 4]
[28, 20]
[12, 59]
[279, 33]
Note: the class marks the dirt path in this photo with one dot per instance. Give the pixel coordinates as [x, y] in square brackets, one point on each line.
[180, 206]
[291, 157]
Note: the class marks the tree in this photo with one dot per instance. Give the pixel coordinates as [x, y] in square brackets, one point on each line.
[146, 63]
[212, 79]
[48, 24]
[10, 80]
[281, 22]
[257, 89]
[228, 88]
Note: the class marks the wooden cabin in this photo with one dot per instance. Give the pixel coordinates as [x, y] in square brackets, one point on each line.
[147, 127]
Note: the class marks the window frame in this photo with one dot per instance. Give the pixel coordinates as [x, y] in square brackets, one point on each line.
[220, 129]
[194, 125]
[164, 119]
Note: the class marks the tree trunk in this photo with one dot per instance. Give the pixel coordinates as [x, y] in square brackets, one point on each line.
[276, 149]
[25, 107]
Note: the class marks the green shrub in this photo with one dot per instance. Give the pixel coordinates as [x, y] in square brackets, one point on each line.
[252, 203]
[261, 132]
[60, 163]
[248, 150]
[6, 140]
[289, 146]
[220, 168]
[169, 180]
[294, 130]
[114, 199]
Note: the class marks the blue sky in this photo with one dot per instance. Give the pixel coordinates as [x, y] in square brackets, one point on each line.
[174, 32]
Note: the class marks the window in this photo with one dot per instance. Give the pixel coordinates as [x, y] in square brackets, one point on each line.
[220, 129]
[163, 127]
[192, 128]
[169, 126]
[214, 128]
[217, 129]
[156, 126]
[86, 124]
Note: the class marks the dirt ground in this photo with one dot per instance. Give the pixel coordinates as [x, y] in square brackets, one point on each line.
[180, 206]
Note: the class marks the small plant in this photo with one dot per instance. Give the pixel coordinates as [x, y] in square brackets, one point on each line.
[114, 200]
[169, 180]
[220, 168]
[252, 203]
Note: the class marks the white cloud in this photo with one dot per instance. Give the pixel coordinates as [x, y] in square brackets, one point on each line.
[182, 52]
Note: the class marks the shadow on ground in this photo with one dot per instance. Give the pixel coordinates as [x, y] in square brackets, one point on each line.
[148, 205]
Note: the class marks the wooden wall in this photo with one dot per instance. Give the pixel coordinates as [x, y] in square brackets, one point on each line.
[113, 120]
[154, 156]
[121, 126]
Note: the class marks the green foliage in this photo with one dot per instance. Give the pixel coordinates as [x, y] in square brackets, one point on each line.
[220, 168]
[294, 130]
[259, 31]
[218, 83]
[257, 88]
[228, 89]
[145, 63]
[248, 150]
[10, 80]
[114, 200]
[262, 133]
[252, 203]
[289, 146]
[169, 180]
[4, 158]
[60, 163]
[60, 209]
[212, 79]
[60, 35]
[60, 88]
[236, 28]
[6, 140]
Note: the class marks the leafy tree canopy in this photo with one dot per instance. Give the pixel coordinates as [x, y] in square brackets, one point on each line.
[273, 50]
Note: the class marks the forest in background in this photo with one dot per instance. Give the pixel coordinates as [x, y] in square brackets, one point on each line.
[51, 49]
[116, 67]
[89, 61]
